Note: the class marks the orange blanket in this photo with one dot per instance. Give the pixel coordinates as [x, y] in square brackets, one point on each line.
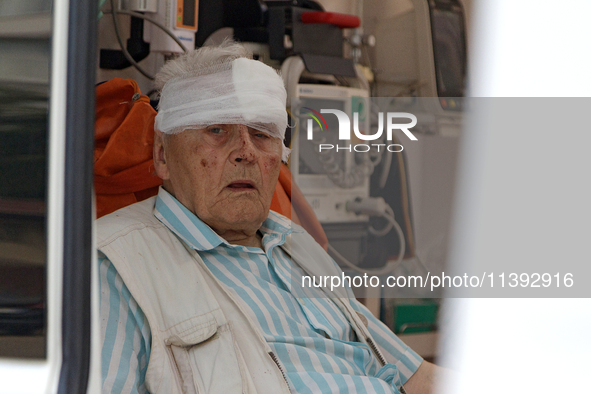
[124, 135]
[123, 166]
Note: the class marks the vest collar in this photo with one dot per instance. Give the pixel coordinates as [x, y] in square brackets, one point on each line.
[199, 235]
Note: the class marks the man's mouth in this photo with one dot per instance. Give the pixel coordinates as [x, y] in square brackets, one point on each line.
[241, 185]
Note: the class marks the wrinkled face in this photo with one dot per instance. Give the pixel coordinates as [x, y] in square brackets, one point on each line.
[225, 174]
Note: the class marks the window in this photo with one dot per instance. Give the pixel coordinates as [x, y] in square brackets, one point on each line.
[24, 86]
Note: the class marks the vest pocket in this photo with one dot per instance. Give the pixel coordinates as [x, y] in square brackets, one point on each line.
[208, 363]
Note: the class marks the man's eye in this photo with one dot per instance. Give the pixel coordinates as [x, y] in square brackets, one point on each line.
[261, 135]
[215, 130]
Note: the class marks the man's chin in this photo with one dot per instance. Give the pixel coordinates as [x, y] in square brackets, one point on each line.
[242, 211]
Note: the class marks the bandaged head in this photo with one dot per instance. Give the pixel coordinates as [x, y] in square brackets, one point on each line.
[243, 91]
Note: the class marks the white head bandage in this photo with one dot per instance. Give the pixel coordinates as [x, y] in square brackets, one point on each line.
[243, 91]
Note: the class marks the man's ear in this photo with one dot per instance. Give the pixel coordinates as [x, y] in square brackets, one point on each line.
[160, 156]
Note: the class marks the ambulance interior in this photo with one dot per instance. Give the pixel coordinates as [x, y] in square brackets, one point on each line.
[389, 52]
[420, 56]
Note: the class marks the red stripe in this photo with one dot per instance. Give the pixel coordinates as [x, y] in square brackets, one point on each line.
[321, 117]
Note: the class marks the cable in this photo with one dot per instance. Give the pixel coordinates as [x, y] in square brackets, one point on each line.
[374, 206]
[386, 168]
[377, 272]
[382, 232]
[127, 55]
[385, 171]
[129, 58]
[406, 203]
[157, 24]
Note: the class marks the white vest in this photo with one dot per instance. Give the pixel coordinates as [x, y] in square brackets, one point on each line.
[202, 339]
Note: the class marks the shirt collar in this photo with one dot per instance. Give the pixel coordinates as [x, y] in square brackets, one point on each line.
[199, 235]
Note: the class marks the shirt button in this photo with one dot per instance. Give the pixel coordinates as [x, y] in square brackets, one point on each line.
[363, 319]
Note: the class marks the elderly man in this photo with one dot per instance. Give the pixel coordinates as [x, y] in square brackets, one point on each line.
[201, 285]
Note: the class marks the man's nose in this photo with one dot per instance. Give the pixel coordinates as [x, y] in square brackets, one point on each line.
[245, 150]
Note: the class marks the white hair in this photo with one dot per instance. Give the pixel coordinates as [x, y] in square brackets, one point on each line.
[202, 61]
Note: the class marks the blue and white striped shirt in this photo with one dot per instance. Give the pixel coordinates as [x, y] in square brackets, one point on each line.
[311, 337]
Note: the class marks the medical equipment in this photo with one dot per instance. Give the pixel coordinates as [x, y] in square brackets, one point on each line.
[180, 17]
[176, 16]
[333, 179]
[336, 182]
[327, 178]
[171, 34]
[428, 38]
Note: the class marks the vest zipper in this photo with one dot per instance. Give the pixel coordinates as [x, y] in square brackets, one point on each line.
[276, 360]
[380, 357]
[376, 351]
